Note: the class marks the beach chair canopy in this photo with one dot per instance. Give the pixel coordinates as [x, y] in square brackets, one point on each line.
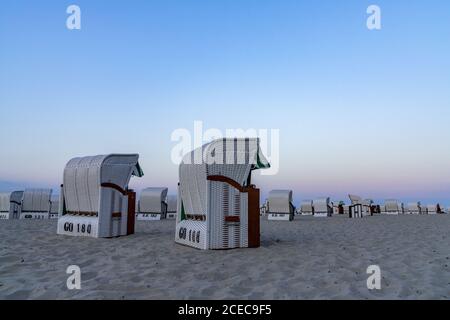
[151, 200]
[233, 159]
[36, 200]
[172, 203]
[280, 201]
[84, 176]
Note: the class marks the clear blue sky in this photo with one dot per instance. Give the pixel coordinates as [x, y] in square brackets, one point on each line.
[359, 111]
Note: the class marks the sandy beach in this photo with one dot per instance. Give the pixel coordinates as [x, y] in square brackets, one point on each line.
[309, 258]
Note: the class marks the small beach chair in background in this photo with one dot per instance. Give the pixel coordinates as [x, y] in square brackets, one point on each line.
[306, 208]
[413, 208]
[432, 209]
[218, 204]
[96, 200]
[322, 208]
[152, 205]
[338, 207]
[280, 205]
[11, 205]
[393, 207]
[36, 204]
[360, 208]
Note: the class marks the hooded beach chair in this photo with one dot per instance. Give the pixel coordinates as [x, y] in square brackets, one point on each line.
[306, 208]
[413, 208]
[96, 200]
[153, 204]
[393, 207]
[218, 204]
[36, 204]
[322, 208]
[279, 205]
[11, 205]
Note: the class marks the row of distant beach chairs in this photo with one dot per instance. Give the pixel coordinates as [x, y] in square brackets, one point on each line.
[155, 204]
[279, 206]
[217, 205]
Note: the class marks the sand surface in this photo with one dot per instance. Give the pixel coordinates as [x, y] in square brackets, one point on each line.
[309, 258]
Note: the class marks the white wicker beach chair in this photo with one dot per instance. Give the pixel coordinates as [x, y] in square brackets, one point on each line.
[153, 204]
[218, 207]
[95, 196]
[11, 205]
[432, 209]
[359, 208]
[306, 208]
[263, 209]
[54, 207]
[36, 204]
[393, 207]
[280, 207]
